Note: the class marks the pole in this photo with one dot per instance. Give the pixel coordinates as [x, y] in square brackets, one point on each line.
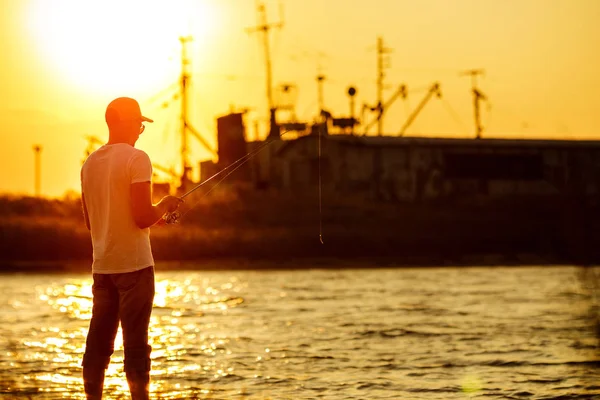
[381, 52]
[37, 169]
[184, 107]
[265, 27]
[478, 127]
[320, 79]
[351, 94]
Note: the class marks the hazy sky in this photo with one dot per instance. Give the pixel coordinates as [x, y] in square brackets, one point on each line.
[64, 60]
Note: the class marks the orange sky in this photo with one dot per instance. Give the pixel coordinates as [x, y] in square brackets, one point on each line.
[64, 60]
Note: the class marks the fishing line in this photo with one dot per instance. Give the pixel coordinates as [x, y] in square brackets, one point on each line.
[174, 216]
[320, 192]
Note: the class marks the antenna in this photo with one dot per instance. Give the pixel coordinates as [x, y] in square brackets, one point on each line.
[477, 96]
[264, 27]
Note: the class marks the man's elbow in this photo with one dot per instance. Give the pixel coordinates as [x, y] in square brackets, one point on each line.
[145, 220]
[141, 222]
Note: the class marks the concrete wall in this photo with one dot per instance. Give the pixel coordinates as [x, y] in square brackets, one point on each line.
[420, 172]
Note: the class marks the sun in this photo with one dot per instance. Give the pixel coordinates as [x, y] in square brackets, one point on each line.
[117, 45]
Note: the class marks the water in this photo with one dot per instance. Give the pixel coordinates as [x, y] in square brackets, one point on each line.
[444, 333]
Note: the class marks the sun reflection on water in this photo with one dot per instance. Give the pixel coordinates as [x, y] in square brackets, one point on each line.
[180, 346]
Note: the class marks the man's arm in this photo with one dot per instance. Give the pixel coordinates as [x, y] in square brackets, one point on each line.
[145, 214]
[86, 217]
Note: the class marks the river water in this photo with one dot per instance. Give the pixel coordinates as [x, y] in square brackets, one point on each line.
[437, 333]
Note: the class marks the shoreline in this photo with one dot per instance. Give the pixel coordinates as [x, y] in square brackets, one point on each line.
[277, 264]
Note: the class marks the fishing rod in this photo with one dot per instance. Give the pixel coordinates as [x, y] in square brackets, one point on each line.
[171, 218]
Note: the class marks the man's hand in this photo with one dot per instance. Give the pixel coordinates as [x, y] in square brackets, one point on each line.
[144, 213]
[169, 204]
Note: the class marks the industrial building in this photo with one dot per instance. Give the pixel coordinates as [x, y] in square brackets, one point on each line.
[409, 168]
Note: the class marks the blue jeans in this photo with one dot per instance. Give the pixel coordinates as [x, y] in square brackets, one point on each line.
[127, 298]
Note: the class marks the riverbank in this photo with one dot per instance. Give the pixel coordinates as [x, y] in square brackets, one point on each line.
[283, 229]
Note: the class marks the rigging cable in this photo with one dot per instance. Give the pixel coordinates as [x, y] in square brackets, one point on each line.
[171, 218]
[454, 114]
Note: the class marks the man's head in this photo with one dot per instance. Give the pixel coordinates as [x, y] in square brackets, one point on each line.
[124, 119]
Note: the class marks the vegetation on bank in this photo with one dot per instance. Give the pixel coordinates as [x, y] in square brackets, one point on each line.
[274, 226]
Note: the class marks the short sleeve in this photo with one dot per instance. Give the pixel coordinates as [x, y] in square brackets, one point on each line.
[140, 168]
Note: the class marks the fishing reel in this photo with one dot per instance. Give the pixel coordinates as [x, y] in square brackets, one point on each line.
[172, 217]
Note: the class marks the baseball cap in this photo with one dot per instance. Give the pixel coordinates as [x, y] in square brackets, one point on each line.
[124, 108]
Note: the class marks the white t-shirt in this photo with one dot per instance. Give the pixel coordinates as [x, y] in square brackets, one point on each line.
[106, 176]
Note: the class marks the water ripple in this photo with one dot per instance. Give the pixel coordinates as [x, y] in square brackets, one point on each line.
[385, 333]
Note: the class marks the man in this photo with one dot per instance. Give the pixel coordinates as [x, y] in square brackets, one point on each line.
[118, 211]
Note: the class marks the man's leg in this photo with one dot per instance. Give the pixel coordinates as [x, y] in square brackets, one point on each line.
[100, 340]
[136, 295]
